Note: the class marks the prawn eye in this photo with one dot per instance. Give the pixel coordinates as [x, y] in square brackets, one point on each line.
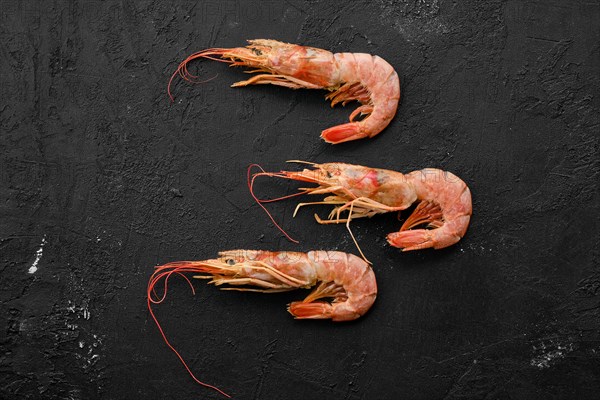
[230, 261]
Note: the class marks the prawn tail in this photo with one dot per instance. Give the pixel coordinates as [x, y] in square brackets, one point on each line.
[411, 240]
[344, 133]
[314, 310]
[422, 239]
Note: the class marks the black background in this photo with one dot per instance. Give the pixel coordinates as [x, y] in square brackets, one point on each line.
[102, 178]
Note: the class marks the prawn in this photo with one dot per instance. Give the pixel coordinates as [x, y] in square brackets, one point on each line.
[444, 201]
[344, 278]
[368, 79]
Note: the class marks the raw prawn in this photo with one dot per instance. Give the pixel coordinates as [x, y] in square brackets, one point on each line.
[369, 79]
[344, 278]
[444, 200]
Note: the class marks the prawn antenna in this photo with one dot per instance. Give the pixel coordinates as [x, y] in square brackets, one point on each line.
[163, 273]
[251, 177]
[301, 162]
[183, 72]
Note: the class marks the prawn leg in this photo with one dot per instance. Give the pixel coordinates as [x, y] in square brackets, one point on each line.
[325, 290]
[245, 281]
[315, 203]
[278, 80]
[362, 110]
[347, 93]
[366, 208]
[427, 212]
[257, 290]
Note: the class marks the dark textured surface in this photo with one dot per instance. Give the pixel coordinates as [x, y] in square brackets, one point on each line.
[101, 178]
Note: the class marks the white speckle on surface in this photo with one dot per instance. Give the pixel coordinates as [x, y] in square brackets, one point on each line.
[38, 256]
[74, 394]
[89, 342]
[549, 353]
[414, 21]
[92, 354]
[82, 311]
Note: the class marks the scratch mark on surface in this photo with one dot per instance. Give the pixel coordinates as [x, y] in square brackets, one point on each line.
[470, 353]
[269, 353]
[291, 106]
[543, 39]
[457, 383]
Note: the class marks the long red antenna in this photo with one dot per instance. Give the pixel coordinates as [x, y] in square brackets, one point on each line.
[252, 177]
[165, 272]
[183, 72]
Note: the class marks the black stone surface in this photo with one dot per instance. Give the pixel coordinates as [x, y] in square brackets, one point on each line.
[101, 179]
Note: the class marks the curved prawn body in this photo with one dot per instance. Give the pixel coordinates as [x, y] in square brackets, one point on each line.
[365, 78]
[345, 279]
[443, 211]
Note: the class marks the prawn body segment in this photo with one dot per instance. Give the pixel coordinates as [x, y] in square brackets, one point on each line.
[449, 214]
[368, 79]
[344, 278]
[442, 214]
